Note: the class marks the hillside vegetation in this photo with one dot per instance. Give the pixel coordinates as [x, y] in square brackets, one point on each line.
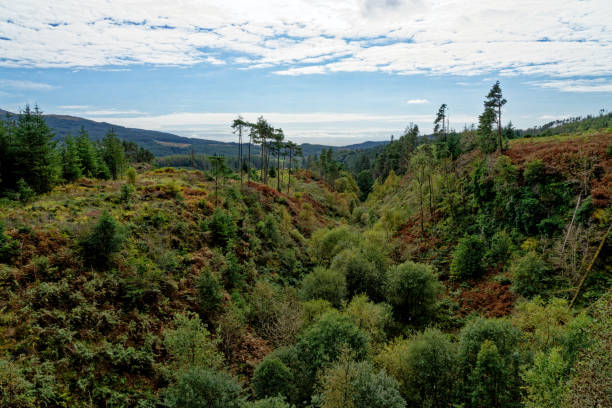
[466, 273]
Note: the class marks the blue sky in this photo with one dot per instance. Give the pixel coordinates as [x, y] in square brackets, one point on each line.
[325, 71]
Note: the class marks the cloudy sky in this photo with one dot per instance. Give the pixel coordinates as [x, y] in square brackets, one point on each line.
[327, 71]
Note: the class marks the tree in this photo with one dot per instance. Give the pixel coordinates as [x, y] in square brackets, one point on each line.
[486, 139]
[419, 163]
[365, 181]
[495, 101]
[488, 378]
[440, 119]
[103, 241]
[324, 284]
[219, 169]
[271, 378]
[113, 154]
[238, 125]
[201, 388]
[412, 289]
[71, 162]
[87, 154]
[294, 151]
[468, 258]
[36, 160]
[425, 367]
[190, 345]
[357, 385]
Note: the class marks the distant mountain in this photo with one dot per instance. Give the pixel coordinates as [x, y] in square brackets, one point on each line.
[165, 144]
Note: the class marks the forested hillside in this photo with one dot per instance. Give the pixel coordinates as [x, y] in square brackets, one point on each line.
[460, 270]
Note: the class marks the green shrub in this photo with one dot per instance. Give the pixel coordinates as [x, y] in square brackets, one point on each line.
[357, 384]
[8, 246]
[221, 227]
[530, 274]
[210, 291]
[24, 191]
[270, 402]
[324, 284]
[104, 240]
[374, 319]
[533, 172]
[501, 246]
[200, 388]
[412, 290]
[425, 367]
[15, 390]
[467, 260]
[131, 175]
[546, 381]
[323, 343]
[190, 344]
[126, 193]
[272, 378]
[362, 276]
[325, 244]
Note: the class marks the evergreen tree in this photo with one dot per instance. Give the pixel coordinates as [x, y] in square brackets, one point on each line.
[440, 119]
[87, 154]
[113, 154]
[486, 138]
[71, 162]
[495, 101]
[35, 155]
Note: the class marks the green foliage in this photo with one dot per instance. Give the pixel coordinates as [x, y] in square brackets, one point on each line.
[210, 291]
[71, 162]
[488, 378]
[113, 154]
[533, 172]
[357, 384]
[324, 342]
[530, 274]
[104, 240]
[365, 181]
[412, 289]
[325, 244]
[363, 271]
[131, 175]
[327, 284]
[15, 390]
[221, 227]
[490, 362]
[201, 388]
[468, 257]
[546, 382]
[126, 193]
[270, 402]
[373, 319]
[189, 344]
[24, 191]
[425, 367]
[8, 246]
[272, 378]
[500, 247]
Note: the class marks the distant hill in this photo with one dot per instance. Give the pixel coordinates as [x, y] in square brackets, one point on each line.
[162, 143]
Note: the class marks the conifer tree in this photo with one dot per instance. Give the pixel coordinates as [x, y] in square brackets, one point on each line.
[440, 119]
[71, 163]
[35, 155]
[495, 101]
[113, 154]
[87, 154]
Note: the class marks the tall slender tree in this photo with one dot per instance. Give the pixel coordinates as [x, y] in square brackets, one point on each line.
[219, 169]
[113, 154]
[277, 145]
[87, 154]
[440, 119]
[495, 101]
[71, 162]
[238, 125]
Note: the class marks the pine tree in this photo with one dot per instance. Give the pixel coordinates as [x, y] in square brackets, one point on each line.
[71, 162]
[495, 101]
[440, 119]
[486, 138]
[113, 154]
[35, 155]
[87, 154]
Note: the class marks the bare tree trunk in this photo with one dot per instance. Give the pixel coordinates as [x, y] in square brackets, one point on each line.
[289, 183]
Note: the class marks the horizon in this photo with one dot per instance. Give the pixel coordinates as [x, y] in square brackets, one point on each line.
[327, 73]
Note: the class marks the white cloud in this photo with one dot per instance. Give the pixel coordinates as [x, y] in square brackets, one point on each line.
[577, 85]
[25, 85]
[560, 38]
[417, 101]
[107, 112]
[73, 107]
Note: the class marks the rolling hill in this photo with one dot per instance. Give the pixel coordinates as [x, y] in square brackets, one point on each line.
[162, 143]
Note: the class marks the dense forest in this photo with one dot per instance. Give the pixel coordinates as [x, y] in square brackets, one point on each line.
[461, 269]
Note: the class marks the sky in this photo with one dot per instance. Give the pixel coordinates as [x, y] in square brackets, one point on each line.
[326, 71]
